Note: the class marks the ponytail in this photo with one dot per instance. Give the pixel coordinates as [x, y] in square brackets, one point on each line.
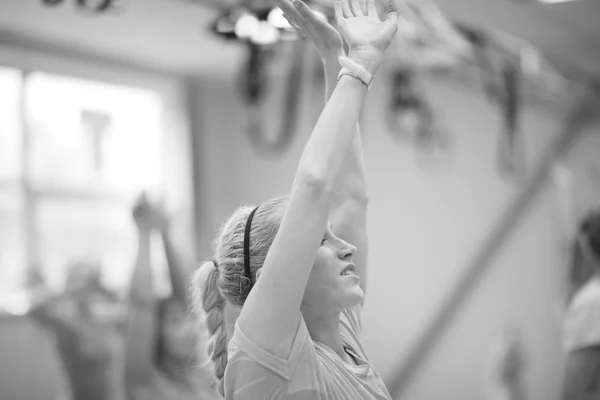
[208, 298]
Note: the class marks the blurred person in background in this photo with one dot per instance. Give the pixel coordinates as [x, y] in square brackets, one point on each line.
[581, 379]
[88, 323]
[161, 360]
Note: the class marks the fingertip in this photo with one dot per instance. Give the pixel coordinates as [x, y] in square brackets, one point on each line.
[303, 9]
[371, 7]
[337, 8]
[393, 11]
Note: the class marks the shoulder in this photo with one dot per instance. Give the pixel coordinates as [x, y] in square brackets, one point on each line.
[242, 349]
[254, 372]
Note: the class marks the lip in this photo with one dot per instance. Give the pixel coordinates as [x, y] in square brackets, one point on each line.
[356, 278]
[349, 267]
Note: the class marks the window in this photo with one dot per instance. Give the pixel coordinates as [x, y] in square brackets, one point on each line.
[74, 154]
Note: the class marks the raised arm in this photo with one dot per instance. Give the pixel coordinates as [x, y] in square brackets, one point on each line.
[271, 313]
[141, 335]
[349, 211]
[180, 268]
[348, 214]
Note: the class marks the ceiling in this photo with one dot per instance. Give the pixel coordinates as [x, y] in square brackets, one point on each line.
[172, 35]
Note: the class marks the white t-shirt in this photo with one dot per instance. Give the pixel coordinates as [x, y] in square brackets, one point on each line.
[582, 322]
[311, 372]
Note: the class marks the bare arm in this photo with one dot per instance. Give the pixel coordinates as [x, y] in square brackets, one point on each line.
[289, 262]
[141, 336]
[349, 211]
[292, 254]
[179, 271]
[582, 374]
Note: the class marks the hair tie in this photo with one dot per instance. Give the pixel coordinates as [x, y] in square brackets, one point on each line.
[247, 246]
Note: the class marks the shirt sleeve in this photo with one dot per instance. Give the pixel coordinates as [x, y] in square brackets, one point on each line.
[255, 373]
[284, 367]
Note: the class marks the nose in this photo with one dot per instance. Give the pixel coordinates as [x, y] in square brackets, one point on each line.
[346, 250]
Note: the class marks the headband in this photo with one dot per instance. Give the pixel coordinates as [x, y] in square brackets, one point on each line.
[247, 246]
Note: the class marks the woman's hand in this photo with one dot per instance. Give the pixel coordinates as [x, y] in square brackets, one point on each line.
[325, 37]
[366, 35]
[150, 216]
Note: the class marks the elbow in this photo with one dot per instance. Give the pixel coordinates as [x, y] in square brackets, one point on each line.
[316, 181]
[358, 200]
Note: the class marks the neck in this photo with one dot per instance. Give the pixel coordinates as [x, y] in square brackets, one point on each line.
[324, 328]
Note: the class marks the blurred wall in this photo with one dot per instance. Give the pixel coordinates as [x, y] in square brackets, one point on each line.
[425, 224]
[29, 368]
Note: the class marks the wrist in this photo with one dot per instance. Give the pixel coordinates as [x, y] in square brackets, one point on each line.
[353, 81]
[368, 57]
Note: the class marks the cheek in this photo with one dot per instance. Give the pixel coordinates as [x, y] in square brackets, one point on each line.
[323, 272]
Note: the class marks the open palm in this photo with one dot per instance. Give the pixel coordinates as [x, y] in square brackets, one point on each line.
[325, 37]
[361, 26]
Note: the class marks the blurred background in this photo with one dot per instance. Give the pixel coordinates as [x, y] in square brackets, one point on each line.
[482, 144]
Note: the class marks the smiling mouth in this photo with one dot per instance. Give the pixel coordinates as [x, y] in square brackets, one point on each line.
[348, 270]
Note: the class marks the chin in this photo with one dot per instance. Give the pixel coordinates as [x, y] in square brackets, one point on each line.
[353, 297]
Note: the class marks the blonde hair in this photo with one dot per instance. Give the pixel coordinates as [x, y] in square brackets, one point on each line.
[223, 280]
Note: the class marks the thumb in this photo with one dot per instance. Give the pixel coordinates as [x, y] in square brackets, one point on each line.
[393, 12]
[290, 18]
[299, 29]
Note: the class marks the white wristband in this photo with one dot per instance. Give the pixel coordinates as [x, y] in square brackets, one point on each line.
[355, 70]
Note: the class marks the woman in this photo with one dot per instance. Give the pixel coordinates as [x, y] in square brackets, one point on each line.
[297, 279]
[88, 323]
[158, 364]
[582, 324]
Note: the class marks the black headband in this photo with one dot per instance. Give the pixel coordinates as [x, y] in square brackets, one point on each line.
[247, 246]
